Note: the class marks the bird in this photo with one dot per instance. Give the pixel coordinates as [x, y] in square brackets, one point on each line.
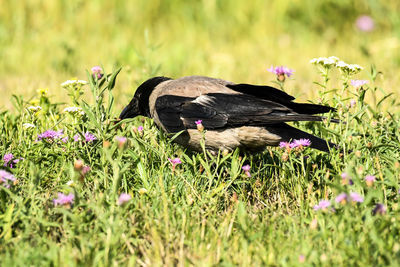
[233, 115]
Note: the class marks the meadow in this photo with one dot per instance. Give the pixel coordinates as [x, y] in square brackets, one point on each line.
[78, 188]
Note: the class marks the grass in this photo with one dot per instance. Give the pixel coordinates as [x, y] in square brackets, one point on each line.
[206, 211]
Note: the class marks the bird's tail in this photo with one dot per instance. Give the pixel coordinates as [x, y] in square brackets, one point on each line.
[289, 133]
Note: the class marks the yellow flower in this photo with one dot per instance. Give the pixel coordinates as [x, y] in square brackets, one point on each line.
[42, 91]
[34, 102]
[142, 191]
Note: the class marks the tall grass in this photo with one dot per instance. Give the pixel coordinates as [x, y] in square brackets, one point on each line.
[205, 211]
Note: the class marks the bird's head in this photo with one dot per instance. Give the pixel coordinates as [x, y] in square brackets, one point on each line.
[139, 104]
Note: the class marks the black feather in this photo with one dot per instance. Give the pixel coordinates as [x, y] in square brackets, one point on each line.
[218, 111]
[278, 96]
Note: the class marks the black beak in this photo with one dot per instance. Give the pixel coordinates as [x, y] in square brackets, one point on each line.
[131, 110]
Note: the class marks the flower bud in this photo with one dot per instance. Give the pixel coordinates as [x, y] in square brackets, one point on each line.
[78, 165]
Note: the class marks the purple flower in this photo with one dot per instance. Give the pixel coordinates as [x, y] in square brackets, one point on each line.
[123, 198]
[65, 139]
[199, 125]
[284, 145]
[50, 135]
[365, 23]
[63, 199]
[77, 137]
[302, 258]
[174, 162]
[140, 129]
[379, 209]
[17, 160]
[97, 71]
[121, 141]
[7, 158]
[85, 170]
[281, 71]
[353, 103]
[300, 143]
[89, 137]
[322, 205]
[246, 169]
[370, 178]
[341, 198]
[355, 197]
[6, 178]
[346, 179]
[358, 83]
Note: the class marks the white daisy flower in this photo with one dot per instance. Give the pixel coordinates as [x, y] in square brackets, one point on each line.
[34, 108]
[73, 83]
[27, 126]
[74, 111]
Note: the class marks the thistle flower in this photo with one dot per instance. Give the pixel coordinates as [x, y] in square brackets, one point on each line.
[346, 179]
[121, 141]
[322, 205]
[302, 258]
[199, 125]
[281, 72]
[75, 111]
[10, 161]
[77, 138]
[369, 180]
[123, 198]
[64, 200]
[379, 209]
[89, 137]
[85, 170]
[358, 83]
[6, 179]
[140, 130]
[284, 145]
[365, 23]
[50, 135]
[355, 197]
[174, 162]
[300, 143]
[78, 165]
[246, 169]
[7, 158]
[341, 198]
[97, 72]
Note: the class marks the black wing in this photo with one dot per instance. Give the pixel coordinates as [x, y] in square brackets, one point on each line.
[270, 93]
[218, 111]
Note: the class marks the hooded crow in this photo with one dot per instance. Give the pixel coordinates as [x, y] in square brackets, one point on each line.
[245, 116]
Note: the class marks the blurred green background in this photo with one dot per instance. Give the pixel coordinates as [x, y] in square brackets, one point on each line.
[43, 43]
